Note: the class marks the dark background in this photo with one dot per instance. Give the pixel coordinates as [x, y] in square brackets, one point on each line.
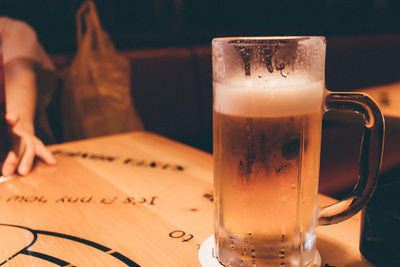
[160, 23]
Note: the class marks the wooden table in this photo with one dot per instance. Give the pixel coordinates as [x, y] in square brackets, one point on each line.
[134, 199]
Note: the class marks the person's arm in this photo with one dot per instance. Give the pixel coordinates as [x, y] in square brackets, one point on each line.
[21, 100]
[21, 92]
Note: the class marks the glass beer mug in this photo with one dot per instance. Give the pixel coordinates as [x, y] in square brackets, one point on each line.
[269, 98]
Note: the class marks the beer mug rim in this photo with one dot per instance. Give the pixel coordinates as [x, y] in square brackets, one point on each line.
[266, 38]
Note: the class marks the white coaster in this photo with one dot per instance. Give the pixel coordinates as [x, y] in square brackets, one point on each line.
[208, 258]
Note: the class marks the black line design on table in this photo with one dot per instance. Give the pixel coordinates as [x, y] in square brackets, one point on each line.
[60, 262]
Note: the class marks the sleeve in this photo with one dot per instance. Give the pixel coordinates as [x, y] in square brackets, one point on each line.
[19, 40]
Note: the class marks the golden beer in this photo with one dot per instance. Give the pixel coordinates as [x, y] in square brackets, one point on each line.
[266, 164]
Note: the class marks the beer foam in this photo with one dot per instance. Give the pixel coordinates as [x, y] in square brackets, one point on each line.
[259, 98]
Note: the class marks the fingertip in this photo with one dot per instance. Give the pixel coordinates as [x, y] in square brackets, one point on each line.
[50, 161]
[53, 161]
[46, 156]
[11, 118]
[7, 169]
[10, 164]
[23, 170]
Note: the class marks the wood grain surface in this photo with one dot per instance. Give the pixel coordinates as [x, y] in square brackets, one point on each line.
[135, 199]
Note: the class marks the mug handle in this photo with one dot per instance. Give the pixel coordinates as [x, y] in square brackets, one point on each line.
[370, 156]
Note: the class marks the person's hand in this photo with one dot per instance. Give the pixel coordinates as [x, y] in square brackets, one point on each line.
[26, 146]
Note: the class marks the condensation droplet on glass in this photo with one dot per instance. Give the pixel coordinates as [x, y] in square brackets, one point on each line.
[281, 254]
[231, 245]
[253, 257]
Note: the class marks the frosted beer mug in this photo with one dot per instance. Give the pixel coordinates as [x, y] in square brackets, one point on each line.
[269, 98]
